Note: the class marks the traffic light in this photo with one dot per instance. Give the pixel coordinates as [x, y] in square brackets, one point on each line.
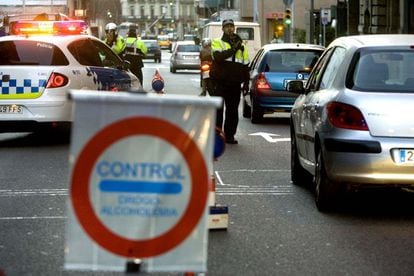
[288, 17]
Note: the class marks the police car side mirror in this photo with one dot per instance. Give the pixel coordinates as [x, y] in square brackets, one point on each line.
[126, 65]
[107, 63]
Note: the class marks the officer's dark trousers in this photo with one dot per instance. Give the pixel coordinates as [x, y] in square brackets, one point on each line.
[137, 71]
[230, 92]
[136, 66]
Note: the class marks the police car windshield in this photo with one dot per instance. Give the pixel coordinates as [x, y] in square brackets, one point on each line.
[25, 52]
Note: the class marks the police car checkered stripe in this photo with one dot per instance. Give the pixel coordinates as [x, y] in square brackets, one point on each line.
[21, 87]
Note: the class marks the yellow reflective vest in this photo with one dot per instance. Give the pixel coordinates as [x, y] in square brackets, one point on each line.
[240, 56]
[119, 45]
[132, 44]
[229, 66]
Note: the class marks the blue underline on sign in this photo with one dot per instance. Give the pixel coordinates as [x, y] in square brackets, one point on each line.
[122, 186]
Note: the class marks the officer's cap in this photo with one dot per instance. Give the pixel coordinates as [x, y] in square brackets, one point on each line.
[227, 22]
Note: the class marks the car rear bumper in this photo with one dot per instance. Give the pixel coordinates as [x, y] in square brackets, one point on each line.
[187, 66]
[270, 103]
[368, 163]
[39, 111]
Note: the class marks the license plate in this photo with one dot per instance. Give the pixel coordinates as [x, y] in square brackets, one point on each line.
[190, 57]
[285, 83]
[13, 109]
[406, 156]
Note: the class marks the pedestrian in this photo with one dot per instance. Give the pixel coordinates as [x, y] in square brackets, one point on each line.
[135, 51]
[115, 41]
[206, 61]
[229, 71]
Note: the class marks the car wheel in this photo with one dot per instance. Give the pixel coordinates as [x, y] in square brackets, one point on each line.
[173, 70]
[298, 174]
[246, 110]
[256, 113]
[326, 191]
[159, 60]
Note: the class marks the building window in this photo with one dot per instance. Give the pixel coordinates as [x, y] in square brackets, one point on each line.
[132, 10]
[142, 11]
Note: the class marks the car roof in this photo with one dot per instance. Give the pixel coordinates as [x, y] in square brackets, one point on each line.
[54, 39]
[236, 23]
[290, 46]
[185, 42]
[375, 40]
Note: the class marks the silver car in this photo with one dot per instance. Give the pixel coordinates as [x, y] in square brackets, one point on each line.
[185, 55]
[352, 124]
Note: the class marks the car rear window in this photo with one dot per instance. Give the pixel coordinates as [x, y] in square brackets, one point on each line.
[290, 60]
[28, 52]
[387, 70]
[188, 48]
[245, 33]
[151, 44]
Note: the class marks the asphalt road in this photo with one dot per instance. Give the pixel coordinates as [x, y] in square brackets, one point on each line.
[274, 227]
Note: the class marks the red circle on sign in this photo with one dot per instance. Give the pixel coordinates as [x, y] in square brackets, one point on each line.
[85, 163]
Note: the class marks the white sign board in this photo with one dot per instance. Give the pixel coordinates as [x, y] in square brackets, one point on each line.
[140, 176]
[325, 16]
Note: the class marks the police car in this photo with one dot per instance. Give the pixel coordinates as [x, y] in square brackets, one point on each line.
[42, 60]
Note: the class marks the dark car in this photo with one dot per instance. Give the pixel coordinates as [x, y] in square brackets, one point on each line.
[154, 51]
[270, 70]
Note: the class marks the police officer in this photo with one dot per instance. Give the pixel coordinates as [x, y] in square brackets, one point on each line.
[135, 50]
[115, 41]
[228, 72]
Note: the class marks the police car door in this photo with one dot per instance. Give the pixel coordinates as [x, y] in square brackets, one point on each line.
[105, 69]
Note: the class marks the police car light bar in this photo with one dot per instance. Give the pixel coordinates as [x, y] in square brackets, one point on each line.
[69, 27]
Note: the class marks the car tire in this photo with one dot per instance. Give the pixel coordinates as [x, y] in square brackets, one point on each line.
[326, 191]
[256, 113]
[246, 110]
[298, 175]
[173, 70]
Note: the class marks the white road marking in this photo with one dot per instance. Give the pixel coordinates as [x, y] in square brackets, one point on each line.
[223, 188]
[268, 137]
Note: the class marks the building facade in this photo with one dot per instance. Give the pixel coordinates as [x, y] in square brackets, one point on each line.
[339, 17]
[161, 16]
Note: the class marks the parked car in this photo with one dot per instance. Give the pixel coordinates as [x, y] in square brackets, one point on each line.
[185, 56]
[153, 50]
[352, 124]
[270, 70]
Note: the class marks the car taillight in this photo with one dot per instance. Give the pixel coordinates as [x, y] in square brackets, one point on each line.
[261, 82]
[57, 80]
[346, 116]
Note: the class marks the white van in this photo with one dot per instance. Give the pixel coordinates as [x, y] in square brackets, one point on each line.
[248, 31]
